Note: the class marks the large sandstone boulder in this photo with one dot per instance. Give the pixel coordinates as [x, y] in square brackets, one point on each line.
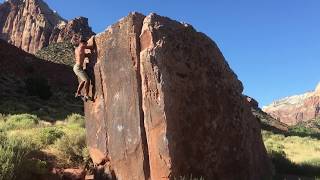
[298, 108]
[32, 25]
[168, 105]
[115, 119]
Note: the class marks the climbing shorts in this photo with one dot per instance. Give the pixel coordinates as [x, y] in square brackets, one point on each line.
[77, 69]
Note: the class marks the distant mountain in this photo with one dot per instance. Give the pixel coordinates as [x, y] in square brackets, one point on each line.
[32, 25]
[32, 85]
[296, 109]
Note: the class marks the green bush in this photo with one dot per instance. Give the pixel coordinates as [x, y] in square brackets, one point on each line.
[21, 121]
[87, 161]
[2, 117]
[49, 135]
[76, 119]
[3, 137]
[13, 154]
[302, 131]
[71, 148]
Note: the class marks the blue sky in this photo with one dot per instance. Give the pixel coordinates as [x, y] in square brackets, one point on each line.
[273, 45]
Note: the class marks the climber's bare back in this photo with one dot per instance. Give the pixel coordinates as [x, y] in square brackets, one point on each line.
[79, 55]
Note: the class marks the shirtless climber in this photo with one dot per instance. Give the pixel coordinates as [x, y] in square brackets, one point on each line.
[78, 68]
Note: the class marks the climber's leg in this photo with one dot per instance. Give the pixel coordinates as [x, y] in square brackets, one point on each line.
[84, 79]
[78, 93]
[87, 84]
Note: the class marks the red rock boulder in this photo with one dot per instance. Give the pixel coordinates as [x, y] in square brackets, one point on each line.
[166, 104]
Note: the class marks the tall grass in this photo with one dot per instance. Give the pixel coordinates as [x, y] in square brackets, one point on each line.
[293, 154]
[24, 139]
[21, 121]
[13, 154]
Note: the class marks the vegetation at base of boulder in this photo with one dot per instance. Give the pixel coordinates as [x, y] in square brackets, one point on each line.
[24, 146]
[62, 53]
[293, 154]
[20, 121]
[71, 148]
[76, 119]
[49, 135]
[15, 161]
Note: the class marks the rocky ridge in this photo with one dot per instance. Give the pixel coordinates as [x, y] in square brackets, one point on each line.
[32, 25]
[298, 108]
[267, 122]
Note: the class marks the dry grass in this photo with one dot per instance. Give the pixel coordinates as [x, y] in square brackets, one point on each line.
[297, 149]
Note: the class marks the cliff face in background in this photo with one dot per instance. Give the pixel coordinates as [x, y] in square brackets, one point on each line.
[31, 85]
[72, 31]
[32, 25]
[294, 109]
[166, 104]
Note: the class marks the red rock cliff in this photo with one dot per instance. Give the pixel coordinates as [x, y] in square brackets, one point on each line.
[298, 108]
[32, 25]
[166, 104]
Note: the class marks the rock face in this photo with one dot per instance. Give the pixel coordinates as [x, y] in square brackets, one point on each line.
[267, 122]
[72, 31]
[294, 109]
[32, 25]
[115, 120]
[166, 104]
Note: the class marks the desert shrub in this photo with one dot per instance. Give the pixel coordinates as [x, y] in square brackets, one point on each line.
[48, 135]
[3, 137]
[13, 154]
[38, 86]
[76, 119]
[21, 121]
[302, 131]
[71, 148]
[87, 161]
[2, 117]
